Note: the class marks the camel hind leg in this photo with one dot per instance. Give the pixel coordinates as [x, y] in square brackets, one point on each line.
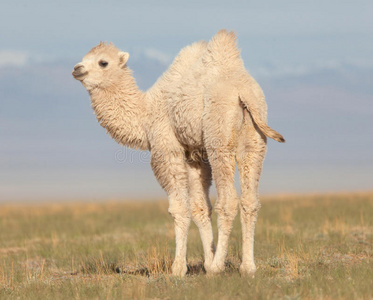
[199, 175]
[221, 123]
[249, 156]
[223, 169]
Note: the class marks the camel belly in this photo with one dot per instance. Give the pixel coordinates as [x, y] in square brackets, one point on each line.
[186, 114]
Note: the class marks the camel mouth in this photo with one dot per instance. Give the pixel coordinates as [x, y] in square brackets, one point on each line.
[79, 76]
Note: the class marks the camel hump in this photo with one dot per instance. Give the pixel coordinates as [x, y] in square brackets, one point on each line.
[222, 48]
[225, 36]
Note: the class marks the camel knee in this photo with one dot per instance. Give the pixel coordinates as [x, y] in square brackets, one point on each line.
[250, 208]
[179, 212]
[201, 212]
[227, 210]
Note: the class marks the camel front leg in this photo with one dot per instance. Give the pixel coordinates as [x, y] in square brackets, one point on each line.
[170, 171]
[179, 210]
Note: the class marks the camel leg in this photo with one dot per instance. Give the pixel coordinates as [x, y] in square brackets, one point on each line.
[250, 155]
[171, 172]
[199, 174]
[222, 121]
[223, 168]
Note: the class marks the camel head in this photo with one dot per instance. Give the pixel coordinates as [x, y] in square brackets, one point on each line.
[101, 67]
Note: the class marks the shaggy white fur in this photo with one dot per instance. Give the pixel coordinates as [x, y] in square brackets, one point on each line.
[204, 115]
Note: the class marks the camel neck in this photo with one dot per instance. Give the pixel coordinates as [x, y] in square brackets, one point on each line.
[121, 110]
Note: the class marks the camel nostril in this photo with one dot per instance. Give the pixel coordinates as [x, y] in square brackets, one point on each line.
[79, 72]
[77, 67]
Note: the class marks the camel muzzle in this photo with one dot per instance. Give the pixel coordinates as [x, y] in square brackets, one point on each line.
[79, 72]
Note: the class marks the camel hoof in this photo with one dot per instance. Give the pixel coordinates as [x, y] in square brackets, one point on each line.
[248, 270]
[215, 269]
[179, 269]
[207, 266]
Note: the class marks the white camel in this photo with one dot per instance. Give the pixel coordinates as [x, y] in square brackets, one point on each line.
[204, 114]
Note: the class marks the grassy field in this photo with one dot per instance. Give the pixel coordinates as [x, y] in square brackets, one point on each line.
[306, 247]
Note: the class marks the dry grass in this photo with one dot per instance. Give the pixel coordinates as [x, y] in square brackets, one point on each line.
[307, 247]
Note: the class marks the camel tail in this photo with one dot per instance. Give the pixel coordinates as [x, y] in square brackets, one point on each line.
[263, 127]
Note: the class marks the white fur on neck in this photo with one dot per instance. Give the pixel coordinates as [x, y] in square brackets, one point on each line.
[121, 110]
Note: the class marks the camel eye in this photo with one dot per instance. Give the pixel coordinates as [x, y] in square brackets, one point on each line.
[103, 63]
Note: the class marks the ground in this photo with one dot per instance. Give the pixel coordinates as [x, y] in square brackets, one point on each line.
[306, 247]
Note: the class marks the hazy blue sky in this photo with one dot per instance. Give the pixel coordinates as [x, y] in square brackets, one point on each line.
[312, 58]
[300, 31]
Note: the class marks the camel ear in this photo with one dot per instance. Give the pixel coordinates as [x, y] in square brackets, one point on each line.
[123, 58]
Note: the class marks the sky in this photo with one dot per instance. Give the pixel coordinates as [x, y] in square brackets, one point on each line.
[313, 60]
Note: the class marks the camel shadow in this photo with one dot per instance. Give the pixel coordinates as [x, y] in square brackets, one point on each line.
[193, 269]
